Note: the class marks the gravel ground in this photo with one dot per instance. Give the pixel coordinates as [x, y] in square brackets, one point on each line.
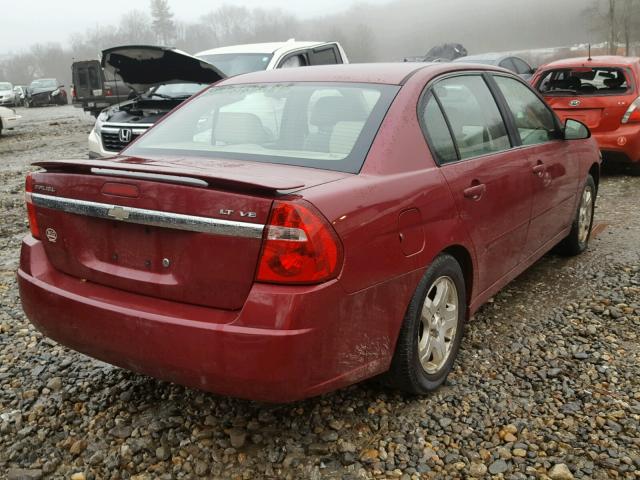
[546, 386]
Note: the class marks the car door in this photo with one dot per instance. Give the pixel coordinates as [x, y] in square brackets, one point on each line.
[87, 79]
[489, 180]
[553, 168]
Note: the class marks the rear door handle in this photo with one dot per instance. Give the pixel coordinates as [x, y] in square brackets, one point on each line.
[475, 192]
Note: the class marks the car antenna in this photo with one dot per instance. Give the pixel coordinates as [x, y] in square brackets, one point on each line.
[589, 59]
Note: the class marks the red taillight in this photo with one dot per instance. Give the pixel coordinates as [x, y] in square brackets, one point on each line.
[300, 246]
[31, 208]
[633, 112]
[73, 92]
[108, 92]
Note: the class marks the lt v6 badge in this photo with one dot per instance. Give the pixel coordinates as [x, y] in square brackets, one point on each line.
[228, 213]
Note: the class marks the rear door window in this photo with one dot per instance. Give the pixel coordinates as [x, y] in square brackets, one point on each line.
[327, 55]
[437, 131]
[521, 67]
[534, 121]
[476, 123]
[508, 64]
[94, 80]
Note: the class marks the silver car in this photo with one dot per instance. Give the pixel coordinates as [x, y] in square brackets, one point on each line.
[7, 96]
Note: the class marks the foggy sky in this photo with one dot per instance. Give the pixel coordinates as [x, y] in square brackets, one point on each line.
[40, 21]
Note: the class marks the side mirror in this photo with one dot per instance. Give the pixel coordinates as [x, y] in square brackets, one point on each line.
[575, 130]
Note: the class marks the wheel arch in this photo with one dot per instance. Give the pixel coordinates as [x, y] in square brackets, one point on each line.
[462, 255]
[594, 171]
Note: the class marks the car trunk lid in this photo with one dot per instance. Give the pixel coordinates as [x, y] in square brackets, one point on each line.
[599, 113]
[156, 231]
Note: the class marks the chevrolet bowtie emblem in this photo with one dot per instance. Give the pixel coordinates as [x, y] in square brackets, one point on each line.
[118, 213]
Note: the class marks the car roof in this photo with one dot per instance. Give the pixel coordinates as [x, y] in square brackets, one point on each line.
[597, 61]
[491, 56]
[265, 48]
[382, 73]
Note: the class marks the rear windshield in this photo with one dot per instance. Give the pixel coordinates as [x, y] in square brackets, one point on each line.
[5, 86]
[585, 81]
[328, 125]
[237, 63]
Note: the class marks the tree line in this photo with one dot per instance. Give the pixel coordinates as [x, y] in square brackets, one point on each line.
[226, 25]
[368, 32]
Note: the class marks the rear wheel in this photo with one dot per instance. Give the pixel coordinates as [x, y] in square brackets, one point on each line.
[430, 335]
[578, 239]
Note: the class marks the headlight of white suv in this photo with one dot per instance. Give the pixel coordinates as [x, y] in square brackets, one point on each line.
[104, 115]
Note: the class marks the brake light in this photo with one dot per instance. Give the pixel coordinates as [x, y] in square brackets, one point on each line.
[108, 92]
[299, 246]
[31, 208]
[633, 112]
[73, 92]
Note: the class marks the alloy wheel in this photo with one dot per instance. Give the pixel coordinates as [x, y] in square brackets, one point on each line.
[439, 324]
[585, 214]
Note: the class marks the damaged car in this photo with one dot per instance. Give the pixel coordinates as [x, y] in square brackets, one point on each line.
[45, 91]
[161, 79]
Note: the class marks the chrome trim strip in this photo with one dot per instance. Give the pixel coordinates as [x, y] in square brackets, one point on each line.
[128, 125]
[157, 177]
[153, 218]
[135, 131]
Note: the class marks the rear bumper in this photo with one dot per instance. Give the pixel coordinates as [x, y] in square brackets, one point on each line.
[284, 345]
[621, 145]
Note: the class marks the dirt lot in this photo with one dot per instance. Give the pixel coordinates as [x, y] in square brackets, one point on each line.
[547, 384]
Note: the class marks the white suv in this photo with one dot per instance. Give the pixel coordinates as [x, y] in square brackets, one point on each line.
[176, 76]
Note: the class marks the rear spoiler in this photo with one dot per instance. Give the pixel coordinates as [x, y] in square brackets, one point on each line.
[172, 173]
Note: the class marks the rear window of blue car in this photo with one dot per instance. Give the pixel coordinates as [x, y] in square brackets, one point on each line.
[320, 125]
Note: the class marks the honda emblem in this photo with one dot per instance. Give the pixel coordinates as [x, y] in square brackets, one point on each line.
[125, 135]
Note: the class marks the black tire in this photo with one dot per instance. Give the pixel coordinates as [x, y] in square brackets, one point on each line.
[575, 243]
[407, 372]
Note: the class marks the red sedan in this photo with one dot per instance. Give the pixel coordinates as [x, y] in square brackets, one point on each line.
[603, 93]
[290, 232]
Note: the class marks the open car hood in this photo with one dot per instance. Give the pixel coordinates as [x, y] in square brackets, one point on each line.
[143, 66]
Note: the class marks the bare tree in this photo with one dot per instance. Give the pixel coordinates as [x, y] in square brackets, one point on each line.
[135, 27]
[612, 24]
